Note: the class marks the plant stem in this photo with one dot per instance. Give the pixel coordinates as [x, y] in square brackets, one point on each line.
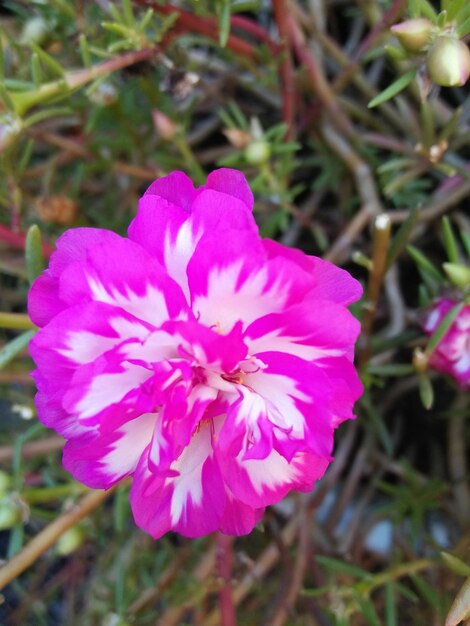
[380, 243]
[224, 564]
[17, 321]
[50, 535]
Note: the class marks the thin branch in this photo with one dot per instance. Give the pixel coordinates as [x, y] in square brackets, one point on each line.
[50, 535]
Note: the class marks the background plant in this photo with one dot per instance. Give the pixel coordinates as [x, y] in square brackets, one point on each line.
[99, 98]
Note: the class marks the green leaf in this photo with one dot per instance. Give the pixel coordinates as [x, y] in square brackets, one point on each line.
[449, 241]
[427, 10]
[393, 89]
[455, 564]
[429, 273]
[464, 28]
[224, 23]
[466, 241]
[34, 253]
[440, 332]
[128, 12]
[14, 347]
[426, 392]
[460, 609]
[401, 238]
[85, 50]
[335, 565]
[391, 369]
[48, 60]
[452, 7]
[367, 610]
[390, 605]
[36, 70]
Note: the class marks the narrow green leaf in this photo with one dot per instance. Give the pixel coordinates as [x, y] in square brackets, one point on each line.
[429, 273]
[36, 71]
[390, 605]
[25, 157]
[427, 10]
[426, 392]
[118, 29]
[401, 238]
[2, 60]
[442, 19]
[145, 21]
[427, 124]
[34, 254]
[424, 297]
[392, 90]
[455, 564]
[449, 241]
[391, 369]
[367, 610]
[85, 50]
[464, 28]
[450, 126]
[466, 241]
[335, 565]
[128, 12]
[14, 347]
[6, 99]
[48, 60]
[224, 23]
[441, 331]
[452, 7]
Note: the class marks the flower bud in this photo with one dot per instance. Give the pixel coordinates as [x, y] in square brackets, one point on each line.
[448, 62]
[257, 152]
[420, 361]
[35, 31]
[459, 275]
[164, 126]
[104, 95]
[238, 138]
[414, 35]
[57, 209]
[10, 513]
[70, 541]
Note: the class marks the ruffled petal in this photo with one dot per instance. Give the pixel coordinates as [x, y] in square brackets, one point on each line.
[100, 460]
[189, 497]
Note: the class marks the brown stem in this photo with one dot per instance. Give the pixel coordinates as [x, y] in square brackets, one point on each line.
[380, 243]
[224, 565]
[318, 81]
[287, 68]
[44, 446]
[48, 537]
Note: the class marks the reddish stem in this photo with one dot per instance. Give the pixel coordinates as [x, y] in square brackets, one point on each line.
[224, 564]
[18, 240]
[187, 22]
[287, 68]
[252, 28]
[317, 78]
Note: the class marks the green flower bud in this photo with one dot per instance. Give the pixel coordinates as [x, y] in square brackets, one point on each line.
[35, 30]
[257, 152]
[414, 35]
[448, 62]
[10, 513]
[459, 275]
[70, 541]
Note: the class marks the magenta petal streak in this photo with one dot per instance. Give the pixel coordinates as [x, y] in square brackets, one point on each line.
[210, 365]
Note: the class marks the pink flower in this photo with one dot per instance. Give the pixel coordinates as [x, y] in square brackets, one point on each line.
[452, 355]
[210, 365]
